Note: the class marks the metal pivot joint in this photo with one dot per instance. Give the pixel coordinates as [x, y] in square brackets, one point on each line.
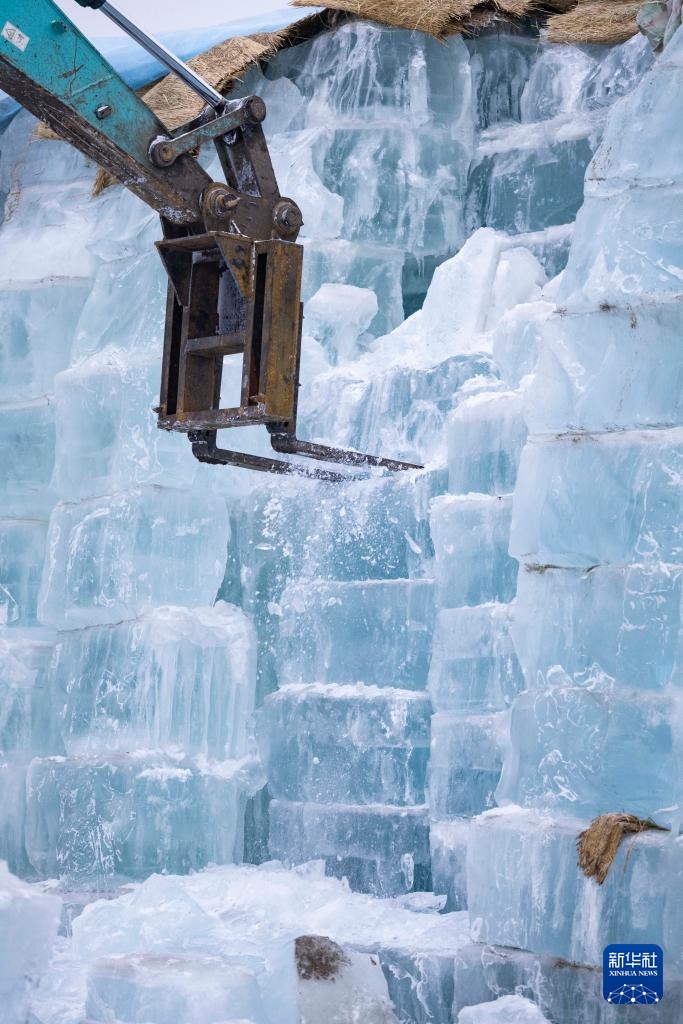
[165, 150]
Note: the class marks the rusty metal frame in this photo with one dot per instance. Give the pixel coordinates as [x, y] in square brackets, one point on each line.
[235, 289]
[231, 295]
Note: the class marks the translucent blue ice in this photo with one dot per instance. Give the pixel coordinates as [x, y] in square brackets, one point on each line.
[354, 744]
[524, 889]
[500, 627]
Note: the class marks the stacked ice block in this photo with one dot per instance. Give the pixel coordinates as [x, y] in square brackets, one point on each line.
[125, 695]
[596, 527]
[384, 121]
[539, 116]
[41, 300]
[474, 670]
[126, 692]
[601, 524]
[345, 738]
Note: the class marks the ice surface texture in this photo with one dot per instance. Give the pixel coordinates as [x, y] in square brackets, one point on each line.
[354, 744]
[110, 558]
[634, 516]
[465, 763]
[471, 537]
[336, 632]
[28, 926]
[486, 434]
[379, 848]
[575, 748]
[602, 623]
[474, 664]
[596, 524]
[92, 818]
[173, 678]
[570, 917]
[400, 658]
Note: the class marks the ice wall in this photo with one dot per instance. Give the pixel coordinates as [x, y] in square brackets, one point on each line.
[596, 528]
[408, 678]
[28, 926]
[125, 692]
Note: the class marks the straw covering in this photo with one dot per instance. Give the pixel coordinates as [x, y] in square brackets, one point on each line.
[433, 17]
[595, 21]
[599, 844]
[585, 21]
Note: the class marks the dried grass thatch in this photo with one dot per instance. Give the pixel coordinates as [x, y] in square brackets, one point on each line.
[596, 21]
[430, 16]
[598, 845]
[439, 18]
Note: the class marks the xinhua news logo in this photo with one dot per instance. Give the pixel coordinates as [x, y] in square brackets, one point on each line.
[633, 974]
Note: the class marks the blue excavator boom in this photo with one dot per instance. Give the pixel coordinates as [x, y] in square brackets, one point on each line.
[50, 67]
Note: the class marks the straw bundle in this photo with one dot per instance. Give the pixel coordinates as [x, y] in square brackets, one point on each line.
[439, 18]
[430, 16]
[598, 845]
[595, 21]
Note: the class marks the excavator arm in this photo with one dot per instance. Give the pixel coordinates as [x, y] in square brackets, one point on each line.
[49, 66]
[229, 248]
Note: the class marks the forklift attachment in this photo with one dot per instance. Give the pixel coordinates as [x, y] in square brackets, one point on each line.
[231, 295]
